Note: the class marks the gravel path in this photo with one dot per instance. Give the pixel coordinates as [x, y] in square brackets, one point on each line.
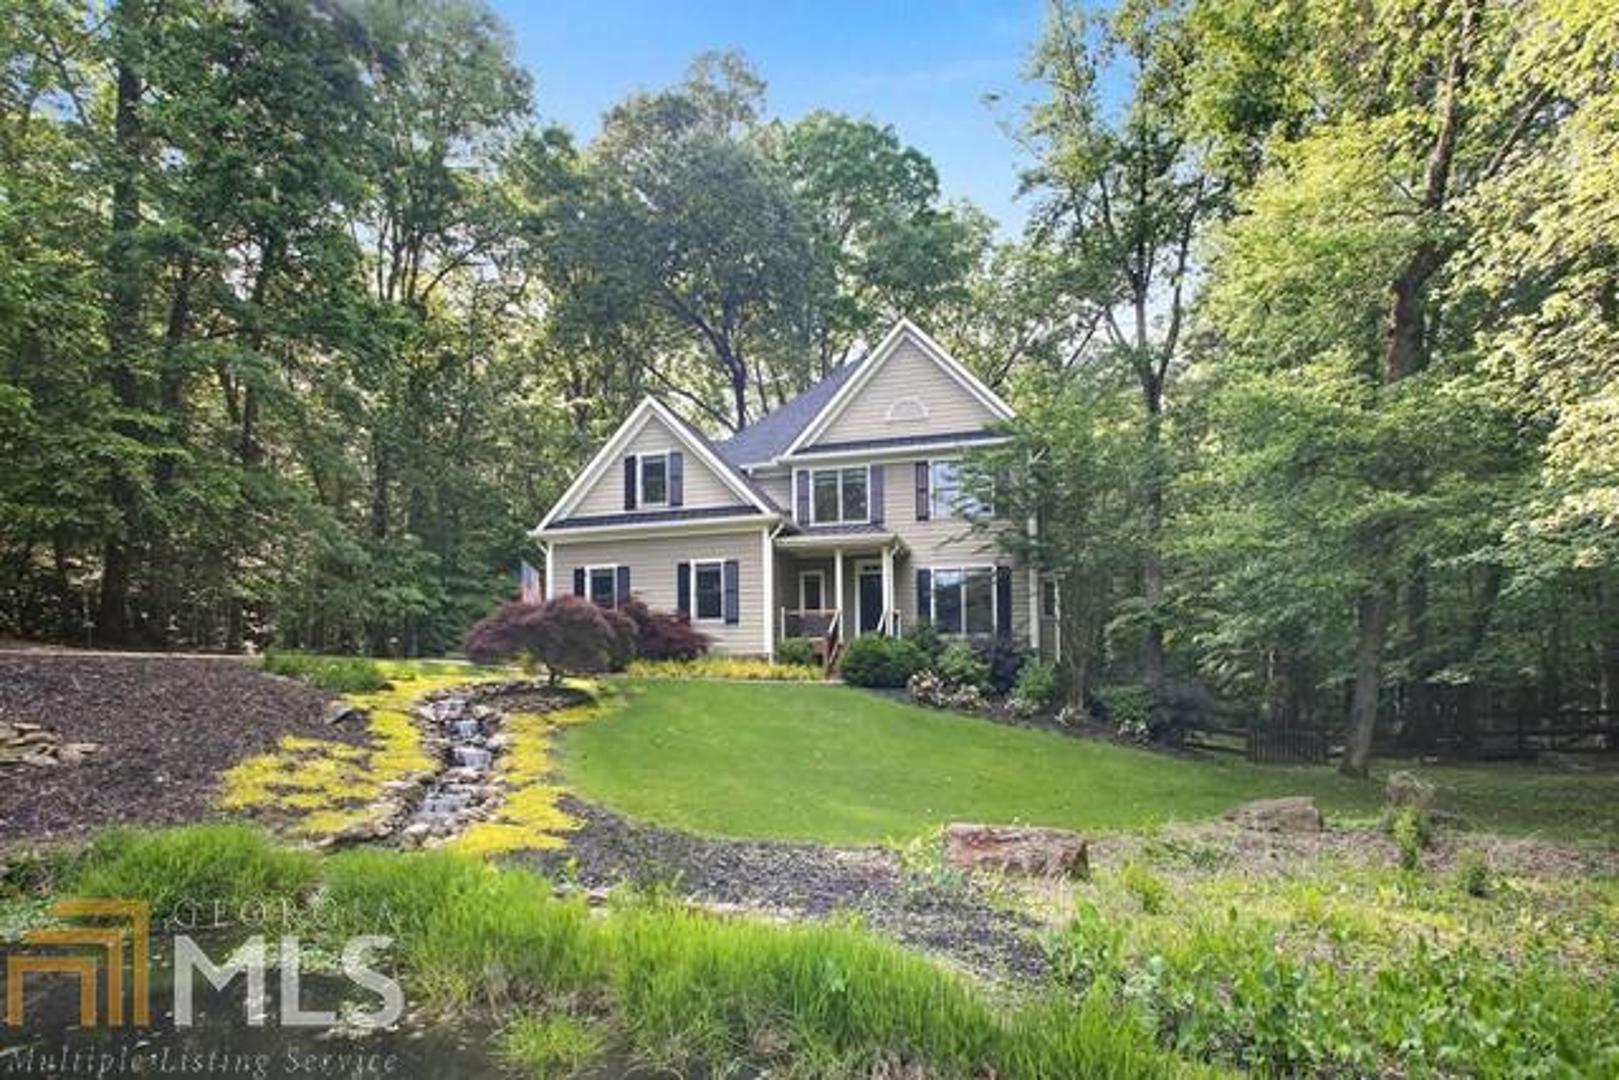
[167, 728]
[948, 920]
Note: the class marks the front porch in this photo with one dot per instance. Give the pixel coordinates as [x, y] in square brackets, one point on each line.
[837, 586]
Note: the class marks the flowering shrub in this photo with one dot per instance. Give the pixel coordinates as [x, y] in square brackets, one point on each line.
[932, 689]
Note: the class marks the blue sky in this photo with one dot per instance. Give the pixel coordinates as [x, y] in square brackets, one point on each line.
[925, 68]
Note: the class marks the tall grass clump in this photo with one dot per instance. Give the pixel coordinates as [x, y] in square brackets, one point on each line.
[339, 674]
[226, 867]
[475, 938]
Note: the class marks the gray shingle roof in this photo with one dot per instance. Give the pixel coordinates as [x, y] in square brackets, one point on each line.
[898, 441]
[639, 517]
[759, 442]
[697, 436]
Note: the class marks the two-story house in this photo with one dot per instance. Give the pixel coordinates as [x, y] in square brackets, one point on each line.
[840, 514]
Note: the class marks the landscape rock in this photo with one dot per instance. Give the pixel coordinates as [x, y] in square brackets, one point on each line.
[1291, 813]
[1017, 849]
[341, 712]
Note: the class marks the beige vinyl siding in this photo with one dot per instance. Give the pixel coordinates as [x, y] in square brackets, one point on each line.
[652, 562]
[908, 374]
[779, 486]
[943, 542]
[702, 486]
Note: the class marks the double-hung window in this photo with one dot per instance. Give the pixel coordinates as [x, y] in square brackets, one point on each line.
[604, 586]
[708, 590]
[963, 600]
[840, 496]
[950, 499]
[655, 479]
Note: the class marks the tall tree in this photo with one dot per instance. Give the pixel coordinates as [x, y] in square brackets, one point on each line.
[1124, 198]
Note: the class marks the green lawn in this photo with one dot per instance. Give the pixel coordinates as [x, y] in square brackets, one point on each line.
[840, 765]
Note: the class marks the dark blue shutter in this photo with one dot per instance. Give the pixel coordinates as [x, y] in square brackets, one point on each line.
[733, 592]
[677, 478]
[922, 501]
[924, 596]
[802, 482]
[629, 482]
[683, 588]
[1003, 601]
[622, 592]
[874, 493]
[578, 581]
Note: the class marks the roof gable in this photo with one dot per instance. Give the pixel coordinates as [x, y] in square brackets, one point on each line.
[909, 387]
[652, 419]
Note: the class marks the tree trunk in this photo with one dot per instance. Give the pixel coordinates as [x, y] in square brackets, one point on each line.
[1607, 606]
[123, 332]
[1372, 625]
[1152, 559]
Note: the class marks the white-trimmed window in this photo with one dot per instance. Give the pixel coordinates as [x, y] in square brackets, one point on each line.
[654, 479]
[962, 600]
[708, 590]
[949, 497]
[840, 496]
[601, 585]
[812, 590]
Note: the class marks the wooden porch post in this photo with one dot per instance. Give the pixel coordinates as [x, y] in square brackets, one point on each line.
[837, 568]
[888, 588]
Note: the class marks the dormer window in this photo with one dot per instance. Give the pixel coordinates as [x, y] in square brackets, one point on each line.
[655, 479]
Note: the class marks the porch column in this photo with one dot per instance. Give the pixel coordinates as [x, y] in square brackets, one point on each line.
[888, 587]
[837, 588]
[767, 570]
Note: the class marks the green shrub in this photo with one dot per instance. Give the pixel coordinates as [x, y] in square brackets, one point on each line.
[1411, 833]
[882, 662]
[1037, 688]
[1473, 874]
[1125, 709]
[795, 650]
[960, 666]
[926, 638]
[339, 674]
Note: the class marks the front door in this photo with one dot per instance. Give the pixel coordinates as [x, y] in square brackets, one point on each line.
[870, 580]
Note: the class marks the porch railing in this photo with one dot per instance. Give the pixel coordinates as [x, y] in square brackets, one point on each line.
[807, 622]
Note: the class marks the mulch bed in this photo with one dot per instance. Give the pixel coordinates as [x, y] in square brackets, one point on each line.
[798, 881]
[167, 728]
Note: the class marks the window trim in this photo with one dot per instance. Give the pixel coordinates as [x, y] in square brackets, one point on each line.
[938, 510]
[819, 575]
[696, 568]
[933, 598]
[842, 518]
[641, 501]
[590, 575]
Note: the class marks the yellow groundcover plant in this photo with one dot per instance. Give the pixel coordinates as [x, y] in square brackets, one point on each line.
[530, 817]
[321, 788]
